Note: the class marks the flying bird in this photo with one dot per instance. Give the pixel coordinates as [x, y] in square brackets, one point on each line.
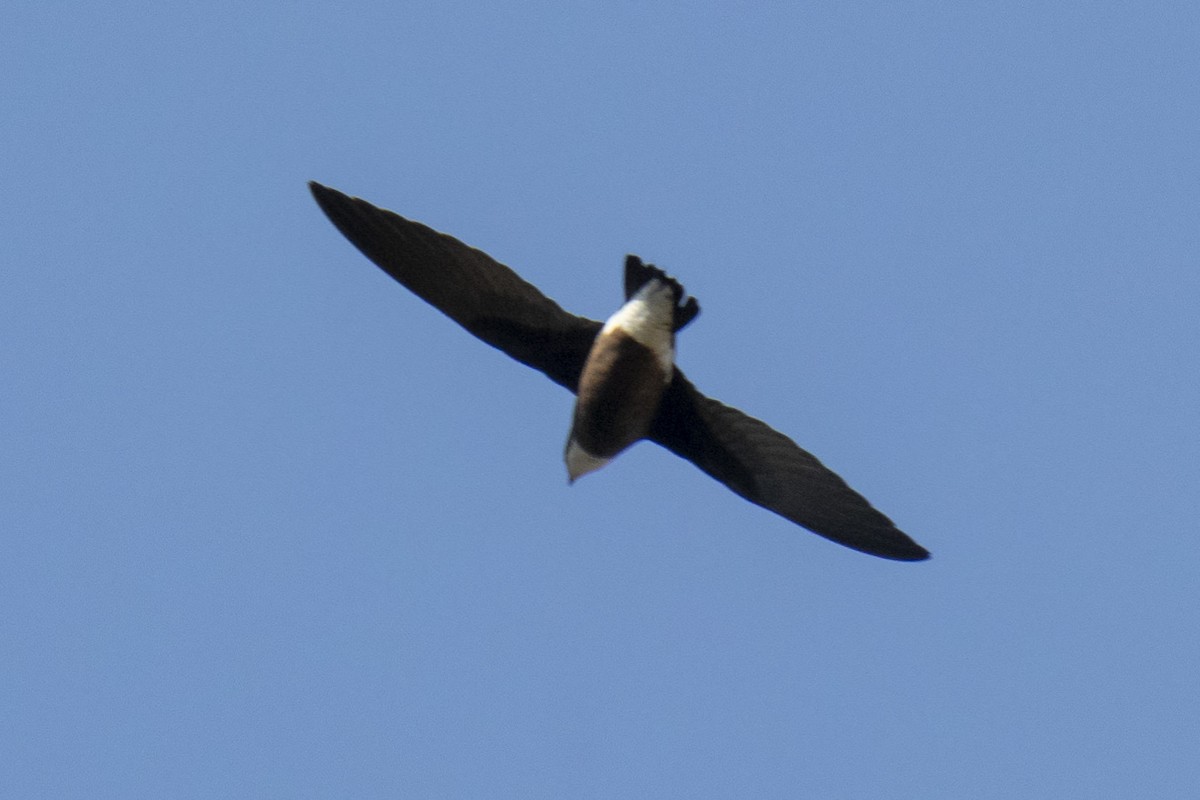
[622, 371]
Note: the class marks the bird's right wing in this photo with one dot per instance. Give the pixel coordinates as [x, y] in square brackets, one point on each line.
[769, 469]
[481, 294]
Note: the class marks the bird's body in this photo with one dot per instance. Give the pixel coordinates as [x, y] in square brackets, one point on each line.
[626, 372]
[623, 372]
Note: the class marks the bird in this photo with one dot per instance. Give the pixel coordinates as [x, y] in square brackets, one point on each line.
[622, 371]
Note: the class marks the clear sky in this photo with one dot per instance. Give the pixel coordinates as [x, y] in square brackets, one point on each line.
[270, 526]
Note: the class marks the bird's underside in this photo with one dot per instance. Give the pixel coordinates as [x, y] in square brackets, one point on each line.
[496, 305]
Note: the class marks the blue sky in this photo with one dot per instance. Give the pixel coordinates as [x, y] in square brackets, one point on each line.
[273, 527]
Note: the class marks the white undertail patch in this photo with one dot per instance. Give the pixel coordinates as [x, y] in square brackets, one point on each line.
[649, 318]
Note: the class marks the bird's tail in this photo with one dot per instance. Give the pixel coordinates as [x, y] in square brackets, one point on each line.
[638, 275]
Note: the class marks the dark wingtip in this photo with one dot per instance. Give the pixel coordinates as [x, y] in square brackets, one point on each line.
[323, 194]
[911, 553]
[345, 212]
[888, 542]
[637, 274]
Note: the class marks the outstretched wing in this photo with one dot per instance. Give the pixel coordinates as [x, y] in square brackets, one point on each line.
[770, 470]
[479, 293]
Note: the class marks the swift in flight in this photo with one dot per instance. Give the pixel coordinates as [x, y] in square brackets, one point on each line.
[622, 371]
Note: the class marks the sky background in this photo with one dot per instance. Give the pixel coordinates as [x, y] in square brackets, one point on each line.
[270, 526]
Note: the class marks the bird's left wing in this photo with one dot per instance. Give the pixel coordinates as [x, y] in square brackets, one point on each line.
[481, 294]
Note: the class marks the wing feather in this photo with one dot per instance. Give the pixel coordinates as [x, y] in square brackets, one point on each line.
[770, 470]
[479, 293]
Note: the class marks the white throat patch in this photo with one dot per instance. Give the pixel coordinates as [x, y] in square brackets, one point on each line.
[580, 462]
